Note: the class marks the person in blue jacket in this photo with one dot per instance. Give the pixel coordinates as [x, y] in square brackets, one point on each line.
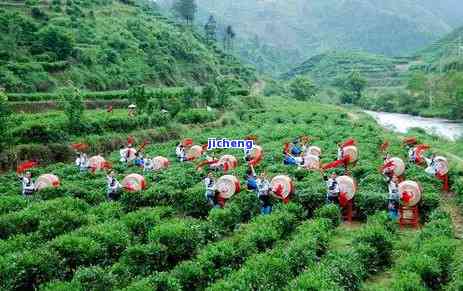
[251, 179]
[296, 150]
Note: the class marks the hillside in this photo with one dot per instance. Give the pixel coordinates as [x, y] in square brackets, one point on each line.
[380, 71]
[301, 29]
[102, 45]
[443, 55]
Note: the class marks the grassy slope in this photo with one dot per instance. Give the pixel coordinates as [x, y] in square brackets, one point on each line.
[114, 46]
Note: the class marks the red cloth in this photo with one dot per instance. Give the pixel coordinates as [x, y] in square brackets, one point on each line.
[343, 199]
[279, 192]
[130, 140]
[387, 165]
[26, 166]
[79, 146]
[204, 147]
[287, 148]
[410, 140]
[406, 197]
[384, 146]
[55, 184]
[445, 181]
[337, 163]
[225, 167]
[419, 151]
[187, 142]
[349, 142]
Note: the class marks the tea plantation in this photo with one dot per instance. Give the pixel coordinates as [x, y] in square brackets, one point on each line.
[168, 238]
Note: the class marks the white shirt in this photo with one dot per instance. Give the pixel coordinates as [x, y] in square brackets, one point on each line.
[333, 186]
[263, 187]
[412, 154]
[393, 191]
[180, 151]
[82, 161]
[113, 184]
[340, 153]
[148, 165]
[209, 183]
[27, 185]
[432, 168]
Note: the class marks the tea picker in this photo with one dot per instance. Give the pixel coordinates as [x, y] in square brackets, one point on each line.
[410, 196]
[439, 167]
[333, 190]
[394, 198]
[251, 178]
[180, 152]
[81, 161]
[127, 153]
[263, 193]
[114, 188]
[28, 186]
[209, 183]
[225, 187]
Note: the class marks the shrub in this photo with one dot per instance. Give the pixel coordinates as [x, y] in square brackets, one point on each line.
[144, 259]
[142, 221]
[26, 270]
[373, 245]
[181, 236]
[195, 116]
[93, 278]
[271, 270]
[331, 212]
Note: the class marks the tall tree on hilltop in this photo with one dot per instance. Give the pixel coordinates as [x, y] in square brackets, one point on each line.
[186, 9]
[228, 38]
[211, 29]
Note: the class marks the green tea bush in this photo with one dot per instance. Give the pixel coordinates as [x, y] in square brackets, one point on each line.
[181, 236]
[26, 270]
[216, 259]
[271, 270]
[432, 257]
[371, 251]
[195, 116]
[331, 212]
[140, 222]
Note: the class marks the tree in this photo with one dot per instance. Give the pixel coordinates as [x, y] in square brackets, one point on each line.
[73, 106]
[228, 38]
[186, 9]
[209, 93]
[302, 88]
[56, 40]
[211, 29]
[226, 85]
[188, 96]
[138, 96]
[353, 86]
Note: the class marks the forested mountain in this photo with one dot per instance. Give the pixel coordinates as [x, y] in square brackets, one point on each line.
[294, 30]
[102, 45]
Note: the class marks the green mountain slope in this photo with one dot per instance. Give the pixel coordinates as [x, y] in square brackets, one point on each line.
[102, 45]
[311, 27]
[379, 70]
[443, 55]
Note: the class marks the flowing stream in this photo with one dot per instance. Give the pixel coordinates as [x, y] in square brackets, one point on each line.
[403, 122]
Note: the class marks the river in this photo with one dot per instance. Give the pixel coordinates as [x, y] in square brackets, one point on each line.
[403, 122]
